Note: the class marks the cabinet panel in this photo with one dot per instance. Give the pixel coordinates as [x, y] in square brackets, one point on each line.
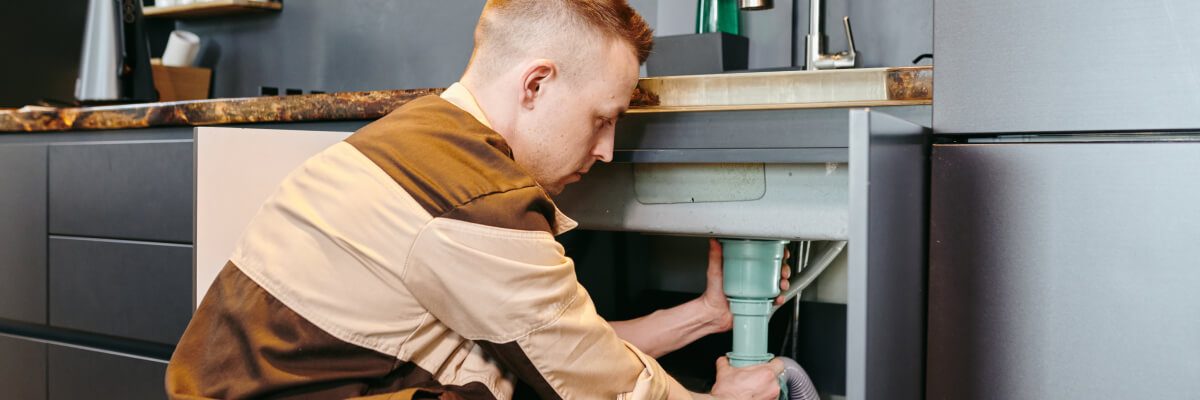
[1064, 271]
[130, 289]
[1066, 65]
[23, 233]
[885, 311]
[85, 374]
[123, 190]
[22, 369]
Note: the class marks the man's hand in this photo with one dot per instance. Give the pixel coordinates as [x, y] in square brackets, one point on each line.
[714, 294]
[753, 382]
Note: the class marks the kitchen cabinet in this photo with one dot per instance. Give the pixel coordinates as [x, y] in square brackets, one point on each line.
[1064, 271]
[85, 374]
[129, 190]
[1066, 66]
[134, 290]
[23, 232]
[22, 369]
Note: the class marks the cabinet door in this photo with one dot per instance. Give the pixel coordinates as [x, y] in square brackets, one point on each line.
[139, 191]
[22, 369]
[1066, 65]
[136, 290]
[885, 313]
[23, 233]
[85, 374]
[228, 194]
[1065, 271]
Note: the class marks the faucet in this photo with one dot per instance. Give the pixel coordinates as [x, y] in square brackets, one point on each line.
[815, 57]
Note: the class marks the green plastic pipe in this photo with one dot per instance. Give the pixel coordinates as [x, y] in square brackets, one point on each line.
[752, 269]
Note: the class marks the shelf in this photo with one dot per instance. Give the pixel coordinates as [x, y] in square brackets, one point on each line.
[213, 8]
[859, 87]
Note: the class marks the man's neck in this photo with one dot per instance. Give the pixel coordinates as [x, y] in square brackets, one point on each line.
[485, 99]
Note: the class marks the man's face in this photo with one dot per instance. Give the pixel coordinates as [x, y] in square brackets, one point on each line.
[573, 121]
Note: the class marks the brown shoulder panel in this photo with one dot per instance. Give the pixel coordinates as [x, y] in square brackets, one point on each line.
[527, 208]
[445, 159]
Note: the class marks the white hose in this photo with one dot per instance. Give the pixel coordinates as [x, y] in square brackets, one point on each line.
[799, 386]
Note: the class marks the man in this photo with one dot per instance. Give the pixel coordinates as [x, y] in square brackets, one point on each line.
[417, 259]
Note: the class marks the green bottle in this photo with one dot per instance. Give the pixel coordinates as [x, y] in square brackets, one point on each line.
[717, 16]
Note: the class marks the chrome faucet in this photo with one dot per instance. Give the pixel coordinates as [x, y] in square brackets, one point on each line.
[815, 57]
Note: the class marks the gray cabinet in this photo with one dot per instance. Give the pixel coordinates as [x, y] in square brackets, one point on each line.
[126, 190]
[23, 233]
[84, 374]
[22, 369]
[1064, 271]
[1066, 65]
[130, 289]
[878, 202]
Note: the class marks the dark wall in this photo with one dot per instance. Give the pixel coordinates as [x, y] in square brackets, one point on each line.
[887, 33]
[339, 45]
[41, 42]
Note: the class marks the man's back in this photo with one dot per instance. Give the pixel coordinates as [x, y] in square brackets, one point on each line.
[416, 255]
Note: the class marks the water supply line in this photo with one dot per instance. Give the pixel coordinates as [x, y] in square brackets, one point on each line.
[812, 271]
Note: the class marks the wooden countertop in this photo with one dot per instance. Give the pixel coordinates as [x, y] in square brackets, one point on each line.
[864, 87]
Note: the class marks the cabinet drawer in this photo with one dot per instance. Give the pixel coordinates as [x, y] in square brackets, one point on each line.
[23, 233]
[84, 374]
[122, 190]
[22, 369]
[129, 289]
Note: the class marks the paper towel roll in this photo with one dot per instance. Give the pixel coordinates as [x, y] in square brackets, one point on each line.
[182, 48]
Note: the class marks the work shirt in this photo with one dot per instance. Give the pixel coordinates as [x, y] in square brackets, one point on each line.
[415, 259]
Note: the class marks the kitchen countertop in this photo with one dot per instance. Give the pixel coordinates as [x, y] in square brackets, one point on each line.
[863, 87]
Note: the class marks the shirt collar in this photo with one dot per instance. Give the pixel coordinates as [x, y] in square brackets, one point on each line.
[458, 95]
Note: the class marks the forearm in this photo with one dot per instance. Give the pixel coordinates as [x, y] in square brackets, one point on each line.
[664, 331]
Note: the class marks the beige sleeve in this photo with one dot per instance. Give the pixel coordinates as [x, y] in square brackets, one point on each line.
[515, 293]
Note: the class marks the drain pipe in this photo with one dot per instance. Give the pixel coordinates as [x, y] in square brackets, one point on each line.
[751, 270]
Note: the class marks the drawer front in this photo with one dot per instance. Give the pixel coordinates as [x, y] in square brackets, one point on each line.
[84, 374]
[129, 289]
[140, 191]
[23, 233]
[22, 369]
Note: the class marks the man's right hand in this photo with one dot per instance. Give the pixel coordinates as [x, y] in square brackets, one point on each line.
[756, 382]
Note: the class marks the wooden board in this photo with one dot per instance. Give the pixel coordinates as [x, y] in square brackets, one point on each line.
[863, 87]
[212, 8]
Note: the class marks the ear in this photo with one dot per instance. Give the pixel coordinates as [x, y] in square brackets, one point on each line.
[536, 74]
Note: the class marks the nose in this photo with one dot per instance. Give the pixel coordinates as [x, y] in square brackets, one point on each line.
[604, 147]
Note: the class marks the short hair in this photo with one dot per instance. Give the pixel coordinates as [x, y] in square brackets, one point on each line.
[520, 27]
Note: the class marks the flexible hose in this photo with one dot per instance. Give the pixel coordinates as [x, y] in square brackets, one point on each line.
[799, 387]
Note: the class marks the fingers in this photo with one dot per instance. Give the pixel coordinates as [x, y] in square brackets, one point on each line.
[776, 366]
[722, 363]
[784, 284]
